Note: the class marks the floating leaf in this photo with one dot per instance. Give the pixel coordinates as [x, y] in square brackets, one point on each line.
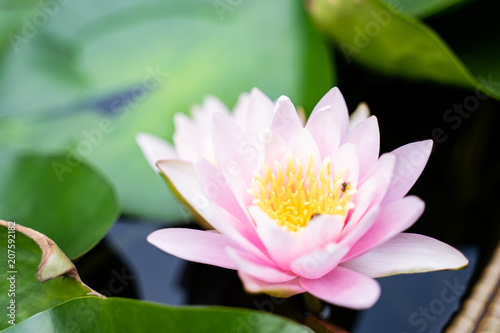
[388, 41]
[125, 315]
[59, 196]
[28, 251]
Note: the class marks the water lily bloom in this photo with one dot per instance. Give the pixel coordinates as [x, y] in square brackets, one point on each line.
[305, 208]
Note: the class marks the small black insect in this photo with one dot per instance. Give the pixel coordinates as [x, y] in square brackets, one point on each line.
[343, 187]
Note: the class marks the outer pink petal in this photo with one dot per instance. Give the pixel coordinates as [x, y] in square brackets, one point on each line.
[316, 264]
[335, 99]
[286, 121]
[366, 137]
[324, 128]
[410, 162]
[344, 287]
[182, 176]
[394, 218]
[282, 289]
[240, 110]
[361, 113]
[259, 269]
[188, 145]
[154, 148]
[211, 104]
[216, 188]
[408, 253]
[194, 245]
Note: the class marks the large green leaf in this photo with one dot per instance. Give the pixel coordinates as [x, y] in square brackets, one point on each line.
[88, 314]
[79, 71]
[13, 16]
[388, 41]
[58, 196]
[22, 294]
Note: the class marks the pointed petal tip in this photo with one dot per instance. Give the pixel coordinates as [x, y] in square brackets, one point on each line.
[283, 99]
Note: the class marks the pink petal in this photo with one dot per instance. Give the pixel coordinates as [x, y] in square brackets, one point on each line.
[324, 128]
[382, 172]
[259, 269]
[240, 110]
[286, 121]
[187, 145]
[345, 288]
[351, 236]
[394, 218]
[275, 149]
[335, 99]
[280, 243]
[317, 263]
[260, 112]
[235, 156]
[361, 113]
[281, 289]
[315, 245]
[303, 147]
[410, 162]
[182, 176]
[408, 253]
[211, 104]
[346, 159]
[366, 138]
[362, 202]
[194, 245]
[321, 230]
[154, 148]
[216, 188]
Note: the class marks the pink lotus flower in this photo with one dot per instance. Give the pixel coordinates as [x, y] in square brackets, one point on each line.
[309, 208]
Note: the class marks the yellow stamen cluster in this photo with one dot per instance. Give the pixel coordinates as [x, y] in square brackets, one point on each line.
[292, 197]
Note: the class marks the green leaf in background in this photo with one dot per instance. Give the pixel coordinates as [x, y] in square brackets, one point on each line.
[29, 295]
[11, 18]
[88, 314]
[424, 8]
[99, 72]
[388, 41]
[60, 197]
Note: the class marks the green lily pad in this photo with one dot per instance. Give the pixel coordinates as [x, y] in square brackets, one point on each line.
[60, 197]
[133, 64]
[23, 295]
[125, 315]
[395, 43]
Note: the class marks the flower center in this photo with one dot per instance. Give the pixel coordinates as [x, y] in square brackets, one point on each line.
[292, 198]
